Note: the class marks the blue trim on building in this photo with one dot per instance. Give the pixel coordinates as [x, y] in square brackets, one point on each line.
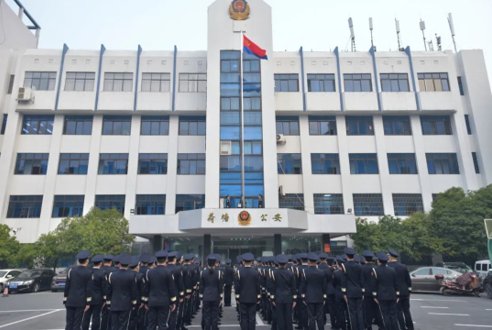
[412, 72]
[174, 78]
[372, 51]
[339, 73]
[301, 52]
[98, 85]
[137, 76]
[60, 74]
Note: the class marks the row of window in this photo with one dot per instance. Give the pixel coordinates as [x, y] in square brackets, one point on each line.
[398, 163]
[73, 205]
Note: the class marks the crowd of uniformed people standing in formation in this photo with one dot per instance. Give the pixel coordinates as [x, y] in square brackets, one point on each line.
[165, 291]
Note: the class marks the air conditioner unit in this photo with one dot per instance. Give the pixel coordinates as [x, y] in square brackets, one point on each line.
[280, 139]
[225, 148]
[25, 95]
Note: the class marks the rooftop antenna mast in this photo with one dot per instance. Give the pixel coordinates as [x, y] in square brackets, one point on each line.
[422, 28]
[352, 35]
[371, 27]
[397, 24]
[431, 46]
[438, 43]
[451, 27]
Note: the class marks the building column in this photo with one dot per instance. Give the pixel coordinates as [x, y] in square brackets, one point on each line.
[207, 246]
[91, 181]
[156, 243]
[343, 155]
[172, 165]
[326, 240]
[133, 157]
[307, 188]
[277, 244]
[382, 157]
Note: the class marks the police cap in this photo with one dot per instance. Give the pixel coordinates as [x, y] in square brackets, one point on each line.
[83, 255]
[382, 256]
[349, 251]
[125, 259]
[172, 255]
[340, 260]
[97, 258]
[228, 261]
[248, 257]
[134, 261]
[393, 253]
[323, 256]
[108, 257]
[161, 254]
[312, 257]
[368, 254]
[153, 259]
[117, 258]
[303, 256]
[145, 257]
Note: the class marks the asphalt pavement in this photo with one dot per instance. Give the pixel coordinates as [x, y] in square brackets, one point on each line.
[45, 311]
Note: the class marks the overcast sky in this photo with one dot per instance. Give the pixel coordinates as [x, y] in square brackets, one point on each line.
[314, 24]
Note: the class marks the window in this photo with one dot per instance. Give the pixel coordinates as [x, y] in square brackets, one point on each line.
[118, 82]
[68, 206]
[289, 164]
[152, 164]
[368, 204]
[117, 125]
[328, 204]
[286, 82]
[80, 81]
[31, 164]
[321, 83]
[406, 204]
[154, 125]
[156, 82]
[193, 82]
[357, 82]
[288, 125]
[25, 207]
[78, 125]
[475, 162]
[460, 85]
[4, 124]
[363, 164]
[423, 272]
[113, 164]
[402, 164]
[359, 125]
[292, 201]
[40, 81]
[191, 163]
[325, 164]
[11, 84]
[189, 202]
[322, 125]
[394, 82]
[397, 125]
[433, 82]
[73, 164]
[436, 125]
[37, 125]
[107, 202]
[150, 204]
[192, 125]
[468, 126]
[442, 163]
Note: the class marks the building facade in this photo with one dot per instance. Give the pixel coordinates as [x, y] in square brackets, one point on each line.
[315, 139]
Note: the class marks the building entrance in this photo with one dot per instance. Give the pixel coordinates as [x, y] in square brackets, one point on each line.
[231, 247]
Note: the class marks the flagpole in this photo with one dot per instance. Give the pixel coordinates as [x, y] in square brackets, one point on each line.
[243, 198]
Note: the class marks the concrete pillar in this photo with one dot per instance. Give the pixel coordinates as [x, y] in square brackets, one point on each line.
[157, 243]
[207, 246]
[277, 244]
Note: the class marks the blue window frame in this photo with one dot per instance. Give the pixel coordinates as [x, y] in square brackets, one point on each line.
[406, 204]
[288, 125]
[292, 201]
[363, 164]
[31, 164]
[68, 206]
[37, 125]
[73, 164]
[397, 125]
[77, 125]
[468, 126]
[359, 125]
[325, 164]
[402, 164]
[436, 125]
[152, 164]
[113, 164]
[442, 163]
[192, 125]
[475, 162]
[253, 133]
[191, 164]
[189, 202]
[4, 124]
[150, 204]
[286, 82]
[368, 204]
[328, 204]
[106, 202]
[154, 125]
[460, 85]
[25, 206]
[357, 82]
[117, 125]
[321, 82]
[289, 164]
[322, 125]
[394, 82]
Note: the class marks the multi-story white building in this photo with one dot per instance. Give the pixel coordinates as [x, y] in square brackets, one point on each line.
[324, 137]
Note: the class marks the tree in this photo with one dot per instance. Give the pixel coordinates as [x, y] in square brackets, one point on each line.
[9, 246]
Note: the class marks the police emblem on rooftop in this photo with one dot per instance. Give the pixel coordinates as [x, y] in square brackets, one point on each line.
[239, 10]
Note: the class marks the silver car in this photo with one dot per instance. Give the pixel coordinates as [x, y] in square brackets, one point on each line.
[424, 279]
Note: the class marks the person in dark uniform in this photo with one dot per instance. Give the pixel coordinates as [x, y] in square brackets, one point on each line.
[107, 268]
[353, 289]
[284, 293]
[385, 291]
[260, 201]
[326, 265]
[227, 202]
[116, 261]
[160, 296]
[178, 280]
[228, 281]
[405, 286]
[313, 292]
[341, 311]
[122, 294]
[188, 280]
[135, 268]
[302, 308]
[145, 259]
[78, 295]
[371, 309]
[211, 294]
[248, 292]
[97, 290]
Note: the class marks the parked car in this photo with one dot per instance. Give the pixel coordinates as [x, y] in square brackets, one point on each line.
[482, 267]
[487, 284]
[7, 274]
[424, 278]
[32, 280]
[58, 282]
[458, 266]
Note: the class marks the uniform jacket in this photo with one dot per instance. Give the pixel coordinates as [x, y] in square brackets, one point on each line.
[353, 280]
[140, 278]
[385, 285]
[98, 285]
[228, 275]
[313, 285]
[160, 287]
[177, 273]
[248, 285]
[211, 285]
[368, 274]
[337, 283]
[284, 286]
[78, 287]
[122, 293]
[402, 277]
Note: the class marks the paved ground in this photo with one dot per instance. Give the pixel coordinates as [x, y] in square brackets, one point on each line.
[44, 311]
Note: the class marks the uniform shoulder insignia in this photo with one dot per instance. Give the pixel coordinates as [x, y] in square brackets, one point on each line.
[375, 274]
[69, 272]
[344, 269]
[93, 277]
[109, 278]
[147, 275]
[304, 273]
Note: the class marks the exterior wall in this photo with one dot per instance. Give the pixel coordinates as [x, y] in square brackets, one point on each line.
[17, 35]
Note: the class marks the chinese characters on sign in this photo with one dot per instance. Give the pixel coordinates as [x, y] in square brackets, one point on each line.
[277, 217]
[211, 218]
[264, 217]
[225, 217]
[245, 218]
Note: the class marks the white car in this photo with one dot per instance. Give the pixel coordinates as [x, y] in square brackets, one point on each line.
[7, 274]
